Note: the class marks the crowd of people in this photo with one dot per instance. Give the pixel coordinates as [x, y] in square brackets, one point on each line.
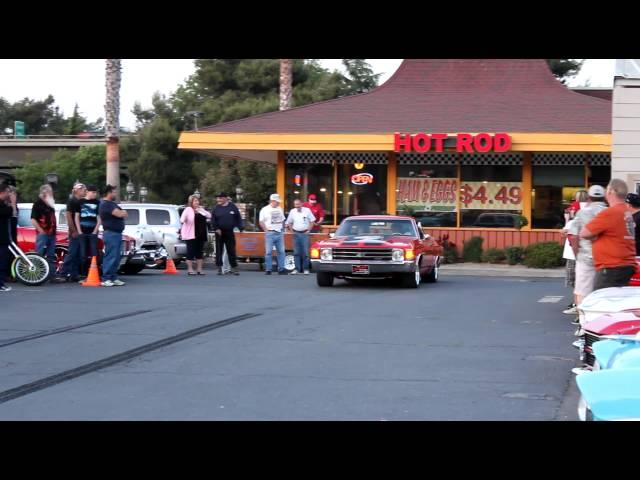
[602, 242]
[86, 215]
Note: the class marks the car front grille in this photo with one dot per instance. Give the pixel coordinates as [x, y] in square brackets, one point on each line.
[590, 339]
[379, 254]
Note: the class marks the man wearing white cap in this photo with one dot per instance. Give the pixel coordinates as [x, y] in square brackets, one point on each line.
[71, 266]
[272, 222]
[583, 248]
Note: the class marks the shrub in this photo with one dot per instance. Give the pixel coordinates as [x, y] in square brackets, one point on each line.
[543, 255]
[514, 255]
[472, 250]
[494, 255]
[520, 221]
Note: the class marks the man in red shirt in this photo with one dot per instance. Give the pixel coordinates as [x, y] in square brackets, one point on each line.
[317, 210]
[613, 234]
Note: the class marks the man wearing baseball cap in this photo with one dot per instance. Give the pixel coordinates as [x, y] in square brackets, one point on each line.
[583, 248]
[272, 222]
[71, 267]
[317, 210]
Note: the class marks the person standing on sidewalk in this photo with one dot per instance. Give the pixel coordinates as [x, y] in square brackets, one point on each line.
[613, 234]
[317, 210]
[300, 222]
[194, 233]
[43, 218]
[88, 223]
[272, 223]
[71, 267]
[225, 217]
[112, 218]
[7, 207]
[583, 248]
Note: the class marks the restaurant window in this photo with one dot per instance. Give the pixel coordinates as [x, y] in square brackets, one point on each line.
[304, 179]
[491, 191]
[362, 187]
[599, 169]
[556, 180]
[427, 190]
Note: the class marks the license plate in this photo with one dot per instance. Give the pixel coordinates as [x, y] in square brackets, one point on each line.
[360, 269]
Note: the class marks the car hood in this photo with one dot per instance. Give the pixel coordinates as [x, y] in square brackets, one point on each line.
[611, 300]
[612, 394]
[363, 241]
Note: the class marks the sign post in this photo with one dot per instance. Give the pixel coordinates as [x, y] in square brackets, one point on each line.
[18, 129]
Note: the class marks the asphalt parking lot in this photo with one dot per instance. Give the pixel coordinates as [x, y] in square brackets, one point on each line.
[254, 347]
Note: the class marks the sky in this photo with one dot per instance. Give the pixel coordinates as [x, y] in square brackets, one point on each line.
[82, 81]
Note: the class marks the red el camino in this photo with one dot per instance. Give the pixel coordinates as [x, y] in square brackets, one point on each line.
[377, 246]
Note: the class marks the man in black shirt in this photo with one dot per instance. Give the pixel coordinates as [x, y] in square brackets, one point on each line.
[71, 267]
[88, 222]
[7, 207]
[112, 218]
[224, 218]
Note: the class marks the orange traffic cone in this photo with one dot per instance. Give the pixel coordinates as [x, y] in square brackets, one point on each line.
[93, 279]
[171, 267]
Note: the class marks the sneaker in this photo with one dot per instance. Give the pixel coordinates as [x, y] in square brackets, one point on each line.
[268, 272]
[306, 272]
[283, 272]
[295, 272]
[118, 283]
[107, 283]
[579, 332]
[571, 311]
[579, 344]
[575, 321]
[581, 370]
[571, 305]
[233, 271]
[220, 271]
[5, 288]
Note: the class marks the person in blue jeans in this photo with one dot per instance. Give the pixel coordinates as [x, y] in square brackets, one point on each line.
[43, 218]
[272, 223]
[7, 207]
[71, 267]
[300, 221]
[88, 222]
[112, 218]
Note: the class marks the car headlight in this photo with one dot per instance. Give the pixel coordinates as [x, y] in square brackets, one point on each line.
[397, 255]
[326, 254]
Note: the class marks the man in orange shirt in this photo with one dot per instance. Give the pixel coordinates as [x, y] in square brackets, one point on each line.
[613, 235]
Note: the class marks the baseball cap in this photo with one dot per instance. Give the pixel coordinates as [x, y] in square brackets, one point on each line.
[275, 196]
[92, 188]
[633, 199]
[312, 196]
[222, 195]
[596, 191]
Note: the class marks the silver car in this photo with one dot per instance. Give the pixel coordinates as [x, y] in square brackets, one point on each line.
[156, 227]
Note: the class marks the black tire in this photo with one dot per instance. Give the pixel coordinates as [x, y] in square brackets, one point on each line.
[131, 269]
[432, 276]
[411, 280]
[324, 279]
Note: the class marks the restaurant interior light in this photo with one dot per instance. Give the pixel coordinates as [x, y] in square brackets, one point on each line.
[323, 189]
[339, 192]
[358, 166]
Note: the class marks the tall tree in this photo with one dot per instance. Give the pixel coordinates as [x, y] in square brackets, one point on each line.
[286, 83]
[563, 68]
[112, 121]
[360, 75]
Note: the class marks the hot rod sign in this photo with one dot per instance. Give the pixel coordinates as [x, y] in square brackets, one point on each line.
[464, 142]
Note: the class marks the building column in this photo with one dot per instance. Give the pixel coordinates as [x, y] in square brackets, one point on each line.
[527, 187]
[281, 181]
[392, 182]
[625, 155]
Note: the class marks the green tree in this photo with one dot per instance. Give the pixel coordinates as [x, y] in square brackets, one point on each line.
[563, 68]
[360, 75]
[76, 123]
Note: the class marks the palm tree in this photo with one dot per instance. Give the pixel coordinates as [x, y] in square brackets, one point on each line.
[112, 121]
[286, 83]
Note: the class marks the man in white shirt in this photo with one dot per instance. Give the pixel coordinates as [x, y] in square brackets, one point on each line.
[300, 222]
[272, 222]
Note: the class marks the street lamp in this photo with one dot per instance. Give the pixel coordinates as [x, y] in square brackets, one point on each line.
[239, 192]
[195, 114]
[143, 193]
[131, 190]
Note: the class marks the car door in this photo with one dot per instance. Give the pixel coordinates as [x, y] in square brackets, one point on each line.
[132, 225]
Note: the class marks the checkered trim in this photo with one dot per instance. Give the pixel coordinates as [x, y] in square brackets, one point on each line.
[428, 158]
[370, 158]
[558, 159]
[511, 158]
[310, 157]
[600, 159]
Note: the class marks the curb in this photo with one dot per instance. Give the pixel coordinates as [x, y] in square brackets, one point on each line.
[479, 270]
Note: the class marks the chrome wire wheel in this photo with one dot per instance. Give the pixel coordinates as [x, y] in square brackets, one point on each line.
[35, 274]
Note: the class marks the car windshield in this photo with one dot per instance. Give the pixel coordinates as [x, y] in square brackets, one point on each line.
[24, 217]
[376, 227]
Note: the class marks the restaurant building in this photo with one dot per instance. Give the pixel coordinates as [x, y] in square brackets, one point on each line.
[469, 147]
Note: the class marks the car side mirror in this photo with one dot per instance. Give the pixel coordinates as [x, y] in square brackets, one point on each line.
[332, 235]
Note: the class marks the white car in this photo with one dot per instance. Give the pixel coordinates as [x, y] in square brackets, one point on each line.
[156, 227]
[608, 300]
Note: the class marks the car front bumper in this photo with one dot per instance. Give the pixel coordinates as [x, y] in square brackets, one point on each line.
[375, 268]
